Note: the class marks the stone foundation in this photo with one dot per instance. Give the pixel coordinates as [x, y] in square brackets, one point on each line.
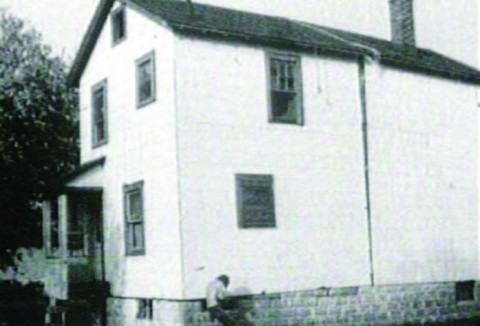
[379, 305]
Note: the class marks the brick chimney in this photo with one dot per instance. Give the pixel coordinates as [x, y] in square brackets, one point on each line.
[402, 22]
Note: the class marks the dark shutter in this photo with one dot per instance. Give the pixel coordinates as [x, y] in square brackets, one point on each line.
[255, 200]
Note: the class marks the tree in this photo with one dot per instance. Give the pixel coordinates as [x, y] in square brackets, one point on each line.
[38, 130]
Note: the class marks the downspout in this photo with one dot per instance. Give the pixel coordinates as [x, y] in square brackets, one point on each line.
[363, 103]
[374, 56]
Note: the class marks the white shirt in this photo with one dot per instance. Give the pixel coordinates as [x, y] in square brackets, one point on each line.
[216, 291]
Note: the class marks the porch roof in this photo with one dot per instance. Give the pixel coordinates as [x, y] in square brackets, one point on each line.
[79, 175]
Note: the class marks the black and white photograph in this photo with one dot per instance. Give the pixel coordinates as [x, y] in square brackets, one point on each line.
[239, 162]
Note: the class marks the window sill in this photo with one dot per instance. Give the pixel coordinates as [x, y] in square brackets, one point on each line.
[145, 103]
[258, 227]
[292, 123]
[117, 42]
[99, 144]
[135, 253]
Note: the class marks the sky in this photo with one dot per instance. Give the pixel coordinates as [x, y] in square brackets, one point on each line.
[61, 22]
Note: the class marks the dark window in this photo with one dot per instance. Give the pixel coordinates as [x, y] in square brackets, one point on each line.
[145, 309]
[76, 235]
[134, 219]
[99, 114]
[54, 226]
[146, 79]
[119, 26]
[52, 220]
[285, 89]
[255, 201]
[464, 291]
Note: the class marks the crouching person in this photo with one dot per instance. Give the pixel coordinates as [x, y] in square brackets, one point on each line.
[217, 300]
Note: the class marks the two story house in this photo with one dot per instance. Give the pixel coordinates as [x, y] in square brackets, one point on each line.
[319, 168]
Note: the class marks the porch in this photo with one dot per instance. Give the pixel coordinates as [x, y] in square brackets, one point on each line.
[74, 247]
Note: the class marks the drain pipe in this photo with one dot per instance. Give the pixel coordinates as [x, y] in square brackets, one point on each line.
[363, 103]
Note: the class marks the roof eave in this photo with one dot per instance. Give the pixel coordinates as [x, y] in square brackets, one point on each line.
[466, 78]
[84, 168]
[88, 43]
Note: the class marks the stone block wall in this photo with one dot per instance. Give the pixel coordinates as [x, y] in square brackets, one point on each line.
[422, 304]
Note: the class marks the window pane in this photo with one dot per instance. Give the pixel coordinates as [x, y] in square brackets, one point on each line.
[54, 227]
[284, 106]
[145, 81]
[285, 90]
[134, 223]
[99, 113]
[135, 234]
[98, 100]
[119, 25]
[274, 75]
[99, 131]
[134, 205]
[75, 229]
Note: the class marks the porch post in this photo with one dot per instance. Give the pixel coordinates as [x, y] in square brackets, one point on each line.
[46, 220]
[63, 225]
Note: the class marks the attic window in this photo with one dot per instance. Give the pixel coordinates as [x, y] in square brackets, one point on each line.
[119, 27]
[285, 89]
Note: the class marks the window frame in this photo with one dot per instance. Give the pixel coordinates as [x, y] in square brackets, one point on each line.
[298, 83]
[118, 11]
[51, 210]
[464, 291]
[241, 181]
[103, 85]
[129, 189]
[74, 217]
[150, 56]
[145, 309]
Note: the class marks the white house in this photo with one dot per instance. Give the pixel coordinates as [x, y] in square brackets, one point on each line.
[288, 155]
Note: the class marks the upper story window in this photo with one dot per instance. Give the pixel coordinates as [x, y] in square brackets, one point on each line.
[285, 88]
[255, 201]
[119, 26]
[99, 114]
[146, 79]
[134, 222]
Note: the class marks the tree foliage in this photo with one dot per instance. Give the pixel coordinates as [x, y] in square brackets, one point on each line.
[38, 129]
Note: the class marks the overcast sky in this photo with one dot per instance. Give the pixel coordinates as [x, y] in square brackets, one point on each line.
[61, 22]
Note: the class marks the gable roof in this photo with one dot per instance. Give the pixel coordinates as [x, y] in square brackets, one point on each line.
[211, 22]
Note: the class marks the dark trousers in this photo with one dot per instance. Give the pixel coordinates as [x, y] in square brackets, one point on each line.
[218, 314]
